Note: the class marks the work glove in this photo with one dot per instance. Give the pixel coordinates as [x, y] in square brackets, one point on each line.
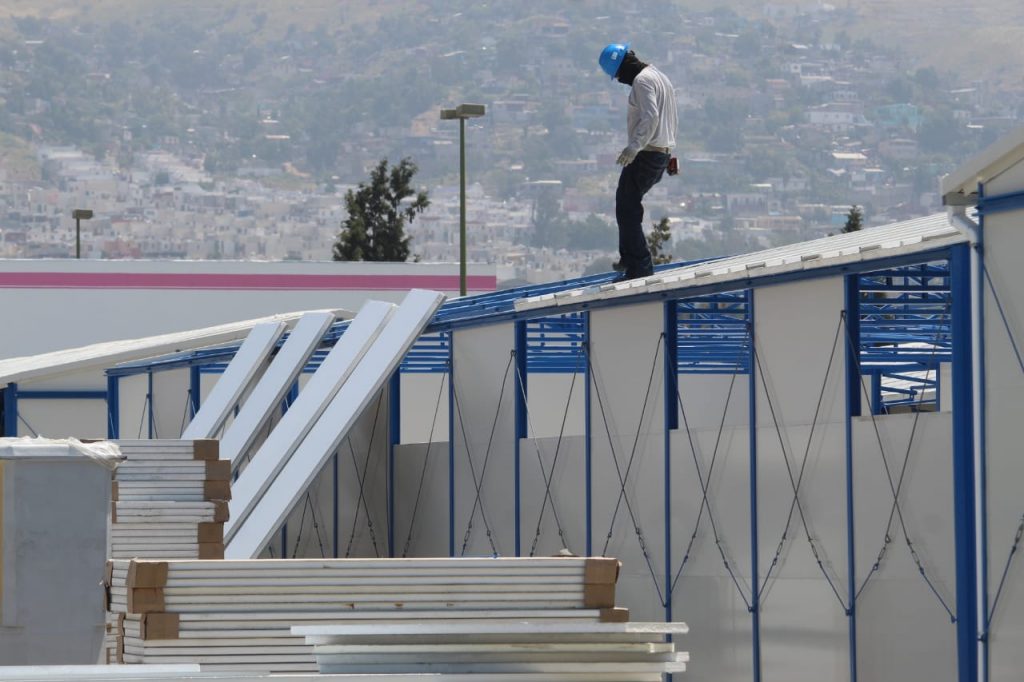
[626, 157]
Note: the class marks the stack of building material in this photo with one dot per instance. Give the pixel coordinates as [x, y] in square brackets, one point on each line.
[237, 615]
[623, 651]
[170, 500]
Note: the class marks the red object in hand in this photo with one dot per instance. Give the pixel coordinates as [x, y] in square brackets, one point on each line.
[673, 166]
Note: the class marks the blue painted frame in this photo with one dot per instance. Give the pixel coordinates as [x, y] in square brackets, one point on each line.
[671, 418]
[521, 388]
[588, 438]
[11, 410]
[963, 470]
[853, 408]
[113, 407]
[755, 567]
[981, 449]
[394, 439]
[451, 444]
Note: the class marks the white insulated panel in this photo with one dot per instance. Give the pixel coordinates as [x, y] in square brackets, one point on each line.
[903, 631]
[169, 402]
[626, 346]
[313, 399]
[1004, 430]
[240, 372]
[272, 507]
[564, 464]
[424, 407]
[704, 593]
[274, 384]
[485, 402]
[804, 628]
[421, 530]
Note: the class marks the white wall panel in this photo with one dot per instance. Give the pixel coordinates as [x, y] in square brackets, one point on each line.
[481, 363]
[77, 418]
[554, 398]
[804, 628]
[625, 345]
[564, 464]
[427, 521]
[705, 596]
[706, 397]
[1004, 404]
[421, 408]
[170, 403]
[903, 631]
[132, 406]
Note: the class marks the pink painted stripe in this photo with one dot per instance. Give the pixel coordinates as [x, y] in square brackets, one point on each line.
[128, 280]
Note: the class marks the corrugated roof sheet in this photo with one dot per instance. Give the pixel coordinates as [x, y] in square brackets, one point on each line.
[922, 234]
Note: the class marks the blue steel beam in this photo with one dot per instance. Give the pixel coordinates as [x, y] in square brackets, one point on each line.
[964, 516]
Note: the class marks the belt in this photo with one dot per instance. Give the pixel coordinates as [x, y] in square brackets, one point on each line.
[660, 150]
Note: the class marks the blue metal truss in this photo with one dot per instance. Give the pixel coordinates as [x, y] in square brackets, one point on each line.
[905, 332]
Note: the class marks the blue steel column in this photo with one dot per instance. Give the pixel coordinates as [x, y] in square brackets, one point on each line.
[963, 468]
[11, 411]
[978, 372]
[195, 388]
[521, 389]
[451, 444]
[587, 439]
[149, 394]
[113, 407]
[877, 404]
[394, 438]
[671, 382]
[755, 588]
[853, 409]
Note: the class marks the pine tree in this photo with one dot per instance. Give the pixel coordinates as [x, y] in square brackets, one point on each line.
[657, 240]
[375, 227]
[854, 220]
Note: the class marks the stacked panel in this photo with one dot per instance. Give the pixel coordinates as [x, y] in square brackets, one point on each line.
[169, 500]
[237, 615]
[629, 651]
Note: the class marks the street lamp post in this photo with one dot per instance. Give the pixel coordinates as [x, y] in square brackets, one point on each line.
[80, 214]
[462, 112]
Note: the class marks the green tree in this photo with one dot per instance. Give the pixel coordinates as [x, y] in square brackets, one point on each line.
[377, 214]
[854, 220]
[548, 220]
[658, 240]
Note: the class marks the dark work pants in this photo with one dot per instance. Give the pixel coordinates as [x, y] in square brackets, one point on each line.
[635, 181]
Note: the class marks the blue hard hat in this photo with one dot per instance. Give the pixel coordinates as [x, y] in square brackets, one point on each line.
[611, 58]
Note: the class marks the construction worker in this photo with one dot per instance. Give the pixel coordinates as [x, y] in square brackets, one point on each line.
[652, 122]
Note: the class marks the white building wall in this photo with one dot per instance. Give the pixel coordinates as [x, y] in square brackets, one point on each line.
[1004, 428]
[903, 631]
[625, 345]
[424, 407]
[61, 304]
[803, 626]
[484, 406]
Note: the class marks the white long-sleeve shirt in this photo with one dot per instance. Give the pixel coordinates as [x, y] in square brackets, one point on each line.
[652, 118]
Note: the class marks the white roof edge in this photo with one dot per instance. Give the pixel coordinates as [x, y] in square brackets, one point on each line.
[110, 353]
[872, 244]
[987, 163]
